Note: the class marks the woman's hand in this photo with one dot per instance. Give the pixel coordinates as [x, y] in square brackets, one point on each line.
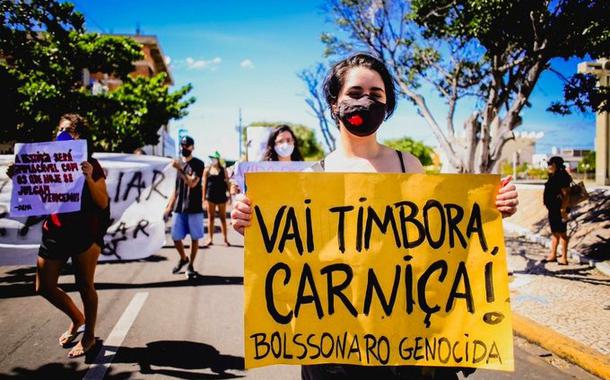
[87, 169]
[507, 198]
[564, 215]
[10, 170]
[234, 188]
[241, 214]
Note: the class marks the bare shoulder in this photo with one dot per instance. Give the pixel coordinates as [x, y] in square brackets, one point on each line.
[412, 163]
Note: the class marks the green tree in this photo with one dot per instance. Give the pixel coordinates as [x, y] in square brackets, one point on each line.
[308, 144]
[490, 53]
[587, 165]
[417, 148]
[44, 49]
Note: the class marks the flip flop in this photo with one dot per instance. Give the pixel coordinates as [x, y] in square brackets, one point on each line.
[85, 350]
[71, 336]
[562, 263]
[544, 261]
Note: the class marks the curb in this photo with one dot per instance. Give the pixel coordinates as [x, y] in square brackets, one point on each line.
[562, 346]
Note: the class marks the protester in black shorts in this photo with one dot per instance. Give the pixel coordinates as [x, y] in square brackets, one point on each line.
[556, 201]
[77, 236]
[215, 189]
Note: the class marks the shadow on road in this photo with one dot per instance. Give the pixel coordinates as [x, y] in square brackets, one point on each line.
[180, 358]
[25, 287]
[534, 266]
[62, 371]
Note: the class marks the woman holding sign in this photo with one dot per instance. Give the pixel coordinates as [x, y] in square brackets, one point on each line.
[78, 236]
[360, 93]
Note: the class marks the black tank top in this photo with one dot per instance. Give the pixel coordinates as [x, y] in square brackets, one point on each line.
[216, 190]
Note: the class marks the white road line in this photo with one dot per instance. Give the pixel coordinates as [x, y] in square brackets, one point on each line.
[98, 368]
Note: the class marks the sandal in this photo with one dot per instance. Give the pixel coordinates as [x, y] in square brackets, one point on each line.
[75, 352]
[544, 261]
[69, 337]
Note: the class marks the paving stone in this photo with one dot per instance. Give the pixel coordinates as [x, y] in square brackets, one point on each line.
[573, 300]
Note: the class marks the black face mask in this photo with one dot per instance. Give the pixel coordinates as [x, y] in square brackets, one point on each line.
[362, 117]
[185, 152]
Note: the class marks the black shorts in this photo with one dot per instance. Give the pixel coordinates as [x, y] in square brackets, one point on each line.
[65, 247]
[557, 224]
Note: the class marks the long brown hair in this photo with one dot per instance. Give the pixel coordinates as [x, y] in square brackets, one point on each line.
[271, 154]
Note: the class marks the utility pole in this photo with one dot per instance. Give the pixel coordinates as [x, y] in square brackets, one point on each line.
[239, 129]
[601, 69]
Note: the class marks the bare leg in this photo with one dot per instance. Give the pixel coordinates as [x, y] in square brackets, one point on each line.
[85, 265]
[564, 247]
[194, 249]
[47, 275]
[180, 248]
[222, 210]
[554, 241]
[211, 217]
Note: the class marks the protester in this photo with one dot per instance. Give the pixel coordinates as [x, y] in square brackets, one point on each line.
[556, 200]
[186, 205]
[282, 145]
[360, 93]
[215, 188]
[78, 236]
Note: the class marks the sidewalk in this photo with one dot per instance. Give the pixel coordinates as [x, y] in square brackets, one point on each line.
[562, 305]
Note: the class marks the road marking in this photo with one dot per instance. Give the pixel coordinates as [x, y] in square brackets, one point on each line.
[104, 358]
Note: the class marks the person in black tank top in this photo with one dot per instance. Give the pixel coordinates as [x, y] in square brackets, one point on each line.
[360, 93]
[215, 188]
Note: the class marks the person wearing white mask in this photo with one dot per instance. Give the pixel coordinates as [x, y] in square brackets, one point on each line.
[215, 187]
[282, 145]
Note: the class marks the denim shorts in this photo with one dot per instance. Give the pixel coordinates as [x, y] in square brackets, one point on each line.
[187, 224]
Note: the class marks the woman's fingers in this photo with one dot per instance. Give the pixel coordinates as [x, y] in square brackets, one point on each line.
[507, 211]
[243, 206]
[240, 224]
[507, 188]
[240, 215]
[507, 203]
[510, 194]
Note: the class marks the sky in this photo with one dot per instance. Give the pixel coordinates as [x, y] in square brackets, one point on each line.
[246, 55]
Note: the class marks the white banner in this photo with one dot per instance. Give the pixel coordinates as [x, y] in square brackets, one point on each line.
[139, 187]
[241, 168]
[256, 142]
[47, 177]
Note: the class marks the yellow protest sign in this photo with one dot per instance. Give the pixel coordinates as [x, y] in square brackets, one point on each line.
[376, 269]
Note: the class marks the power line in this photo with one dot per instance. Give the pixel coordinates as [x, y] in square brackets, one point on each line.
[89, 18]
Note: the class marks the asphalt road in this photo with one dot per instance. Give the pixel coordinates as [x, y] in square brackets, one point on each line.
[158, 325]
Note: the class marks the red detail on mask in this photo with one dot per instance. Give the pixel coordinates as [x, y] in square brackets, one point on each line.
[355, 120]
